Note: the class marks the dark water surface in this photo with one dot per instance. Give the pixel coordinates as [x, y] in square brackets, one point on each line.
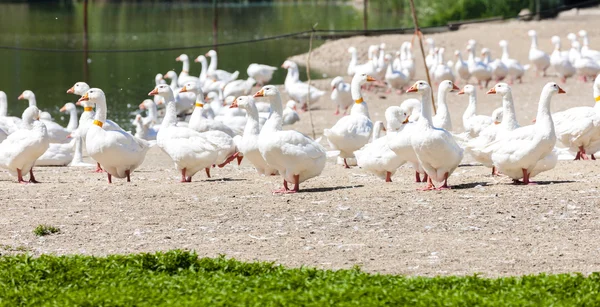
[128, 77]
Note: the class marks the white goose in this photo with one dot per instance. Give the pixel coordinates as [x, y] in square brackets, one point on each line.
[579, 128]
[203, 69]
[290, 116]
[299, 91]
[478, 69]
[515, 70]
[197, 120]
[442, 117]
[438, 153]
[261, 73]
[572, 53]
[560, 61]
[146, 127]
[499, 70]
[58, 154]
[442, 71]
[296, 156]
[8, 124]
[476, 147]
[586, 67]
[353, 131]
[189, 149]
[461, 68]
[119, 152]
[395, 79]
[353, 68]
[340, 94]
[353, 61]
[473, 123]
[183, 101]
[517, 153]
[219, 74]
[184, 76]
[539, 58]
[56, 132]
[22, 147]
[408, 61]
[247, 144]
[377, 157]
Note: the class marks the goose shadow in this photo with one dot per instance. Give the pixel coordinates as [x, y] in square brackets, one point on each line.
[329, 189]
[544, 182]
[223, 179]
[470, 185]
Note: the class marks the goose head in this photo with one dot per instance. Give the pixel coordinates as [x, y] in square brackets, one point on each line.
[192, 87]
[93, 95]
[420, 87]
[162, 90]
[582, 33]
[467, 89]
[372, 50]
[267, 91]
[211, 96]
[200, 59]
[170, 74]
[396, 117]
[381, 46]
[291, 104]
[552, 88]
[531, 33]
[336, 81]
[289, 64]
[555, 40]
[572, 37]
[146, 104]
[352, 50]
[497, 116]
[448, 86]
[242, 102]
[26, 95]
[158, 79]
[361, 79]
[485, 51]
[472, 42]
[182, 58]
[503, 43]
[388, 57]
[79, 88]
[457, 54]
[68, 107]
[500, 88]
[30, 114]
[211, 53]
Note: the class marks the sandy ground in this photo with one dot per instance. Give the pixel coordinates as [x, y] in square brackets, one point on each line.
[344, 217]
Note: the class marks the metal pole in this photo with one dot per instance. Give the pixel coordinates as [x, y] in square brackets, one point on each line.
[215, 24]
[418, 33]
[86, 73]
[365, 15]
[312, 126]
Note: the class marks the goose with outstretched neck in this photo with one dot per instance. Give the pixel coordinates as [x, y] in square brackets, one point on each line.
[352, 131]
[9, 124]
[23, 147]
[436, 149]
[119, 152]
[518, 152]
[184, 76]
[296, 156]
[442, 119]
[473, 123]
[56, 132]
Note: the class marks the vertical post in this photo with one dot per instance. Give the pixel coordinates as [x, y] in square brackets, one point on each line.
[215, 24]
[312, 126]
[365, 15]
[86, 73]
[418, 33]
[537, 10]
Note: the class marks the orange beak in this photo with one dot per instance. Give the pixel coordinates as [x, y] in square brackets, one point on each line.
[196, 60]
[71, 90]
[234, 104]
[461, 92]
[85, 97]
[21, 97]
[177, 59]
[64, 108]
[142, 106]
[561, 91]
[455, 88]
[183, 90]
[492, 91]
[412, 89]
[496, 123]
[260, 93]
[370, 79]
[384, 129]
[154, 92]
[77, 103]
[160, 102]
[534, 120]
[405, 121]
[206, 54]
[283, 66]
[295, 108]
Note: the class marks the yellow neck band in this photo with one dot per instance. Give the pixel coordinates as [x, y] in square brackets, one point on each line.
[98, 123]
[359, 100]
[88, 109]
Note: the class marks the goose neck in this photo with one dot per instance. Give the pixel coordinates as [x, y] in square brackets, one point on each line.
[534, 44]
[472, 107]
[275, 121]
[203, 67]
[252, 125]
[509, 117]
[73, 120]
[32, 101]
[170, 118]
[597, 96]
[101, 110]
[213, 63]
[185, 69]
[426, 111]
[3, 107]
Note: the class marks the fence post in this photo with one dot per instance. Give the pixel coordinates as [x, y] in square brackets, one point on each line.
[215, 24]
[418, 33]
[86, 73]
[365, 15]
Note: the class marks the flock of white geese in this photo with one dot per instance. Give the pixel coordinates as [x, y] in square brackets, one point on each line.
[199, 132]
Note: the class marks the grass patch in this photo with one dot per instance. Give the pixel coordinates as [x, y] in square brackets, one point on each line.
[44, 230]
[180, 278]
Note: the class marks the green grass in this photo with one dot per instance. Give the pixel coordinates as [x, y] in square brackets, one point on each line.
[44, 230]
[179, 278]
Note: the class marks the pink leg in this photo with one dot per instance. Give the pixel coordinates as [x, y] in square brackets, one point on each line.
[583, 154]
[495, 171]
[98, 168]
[283, 190]
[417, 177]
[445, 185]
[183, 178]
[127, 173]
[228, 160]
[31, 178]
[337, 110]
[577, 156]
[388, 177]
[429, 186]
[346, 164]
[20, 177]
[207, 172]
[109, 177]
[239, 159]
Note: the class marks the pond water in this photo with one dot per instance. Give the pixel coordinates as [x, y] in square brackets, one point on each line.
[126, 78]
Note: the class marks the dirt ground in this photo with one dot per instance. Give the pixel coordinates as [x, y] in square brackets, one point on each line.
[344, 217]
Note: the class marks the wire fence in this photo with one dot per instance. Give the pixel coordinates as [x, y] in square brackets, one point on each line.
[318, 34]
